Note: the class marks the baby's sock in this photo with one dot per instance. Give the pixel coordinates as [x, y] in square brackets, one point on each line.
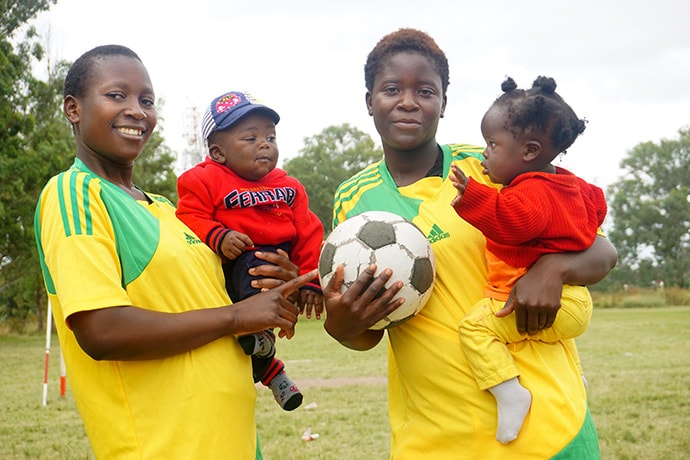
[513, 402]
[261, 344]
[285, 392]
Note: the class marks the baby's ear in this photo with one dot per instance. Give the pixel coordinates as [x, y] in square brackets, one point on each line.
[532, 150]
[216, 153]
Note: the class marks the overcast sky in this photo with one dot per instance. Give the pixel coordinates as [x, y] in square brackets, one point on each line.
[624, 65]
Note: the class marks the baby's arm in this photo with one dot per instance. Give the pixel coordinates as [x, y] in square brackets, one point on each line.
[234, 243]
[459, 180]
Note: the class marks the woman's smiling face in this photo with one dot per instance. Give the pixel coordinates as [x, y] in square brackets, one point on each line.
[116, 115]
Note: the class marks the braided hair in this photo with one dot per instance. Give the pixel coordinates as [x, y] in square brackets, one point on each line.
[540, 111]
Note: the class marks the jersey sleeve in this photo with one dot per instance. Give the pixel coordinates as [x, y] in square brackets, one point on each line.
[77, 245]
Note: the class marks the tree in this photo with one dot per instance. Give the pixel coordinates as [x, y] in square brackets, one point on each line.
[326, 160]
[22, 130]
[45, 149]
[14, 14]
[48, 150]
[650, 206]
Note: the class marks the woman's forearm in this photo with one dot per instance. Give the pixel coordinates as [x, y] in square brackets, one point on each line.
[580, 268]
[591, 265]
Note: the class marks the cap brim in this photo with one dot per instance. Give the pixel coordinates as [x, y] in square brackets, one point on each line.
[242, 112]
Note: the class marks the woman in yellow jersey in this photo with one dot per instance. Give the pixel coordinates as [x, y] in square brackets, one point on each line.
[436, 410]
[147, 330]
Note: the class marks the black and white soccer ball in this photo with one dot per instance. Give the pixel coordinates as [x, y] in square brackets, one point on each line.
[389, 241]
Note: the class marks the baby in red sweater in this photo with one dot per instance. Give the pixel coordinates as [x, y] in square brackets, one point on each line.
[238, 203]
[541, 209]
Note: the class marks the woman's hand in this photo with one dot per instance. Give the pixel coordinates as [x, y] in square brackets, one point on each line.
[536, 297]
[350, 315]
[271, 308]
[278, 270]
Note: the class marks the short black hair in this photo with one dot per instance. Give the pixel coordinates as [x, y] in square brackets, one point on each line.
[540, 111]
[79, 72]
[406, 40]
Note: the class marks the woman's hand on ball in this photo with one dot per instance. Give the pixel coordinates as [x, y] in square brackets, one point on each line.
[350, 315]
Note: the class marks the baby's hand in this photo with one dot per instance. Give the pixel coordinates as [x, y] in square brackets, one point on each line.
[459, 180]
[309, 301]
[234, 243]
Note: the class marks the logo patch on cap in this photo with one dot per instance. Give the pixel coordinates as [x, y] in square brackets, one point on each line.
[227, 109]
[227, 102]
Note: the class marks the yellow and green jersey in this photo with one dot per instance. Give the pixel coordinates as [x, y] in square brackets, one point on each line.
[100, 248]
[436, 410]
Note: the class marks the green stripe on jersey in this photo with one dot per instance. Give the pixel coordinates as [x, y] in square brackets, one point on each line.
[137, 231]
[373, 188]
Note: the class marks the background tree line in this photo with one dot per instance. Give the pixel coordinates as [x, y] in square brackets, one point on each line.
[649, 206]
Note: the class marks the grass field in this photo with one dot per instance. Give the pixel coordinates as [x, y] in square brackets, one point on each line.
[635, 360]
[638, 368]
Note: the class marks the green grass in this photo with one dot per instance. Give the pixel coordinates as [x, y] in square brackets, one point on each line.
[637, 365]
[635, 361]
[348, 389]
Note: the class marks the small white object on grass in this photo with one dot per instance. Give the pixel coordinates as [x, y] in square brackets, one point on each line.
[308, 435]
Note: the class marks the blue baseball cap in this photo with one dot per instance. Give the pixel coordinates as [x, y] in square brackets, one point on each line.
[226, 110]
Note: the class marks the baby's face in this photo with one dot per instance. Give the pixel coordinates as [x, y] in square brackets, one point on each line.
[248, 147]
[503, 156]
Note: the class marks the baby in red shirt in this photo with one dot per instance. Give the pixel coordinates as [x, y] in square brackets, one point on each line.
[238, 203]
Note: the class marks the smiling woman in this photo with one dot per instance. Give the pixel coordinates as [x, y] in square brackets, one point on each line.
[124, 100]
[135, 343]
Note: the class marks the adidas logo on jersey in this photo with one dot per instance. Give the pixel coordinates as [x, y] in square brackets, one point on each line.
[436, 234]
[191, 239]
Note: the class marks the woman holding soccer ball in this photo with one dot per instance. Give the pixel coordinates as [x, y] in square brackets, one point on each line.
[436, 410]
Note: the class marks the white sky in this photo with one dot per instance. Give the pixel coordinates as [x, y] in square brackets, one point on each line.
[624, 65]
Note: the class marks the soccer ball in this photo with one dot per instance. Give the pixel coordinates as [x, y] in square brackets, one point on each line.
[389, 241]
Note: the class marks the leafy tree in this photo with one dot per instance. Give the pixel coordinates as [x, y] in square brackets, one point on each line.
[650, 206]
[326, 160]
[45, 149]
[48, 150]
[14, 14]
[21, 131]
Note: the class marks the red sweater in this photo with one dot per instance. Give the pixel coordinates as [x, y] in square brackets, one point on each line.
[214, 200]
[538, 213]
